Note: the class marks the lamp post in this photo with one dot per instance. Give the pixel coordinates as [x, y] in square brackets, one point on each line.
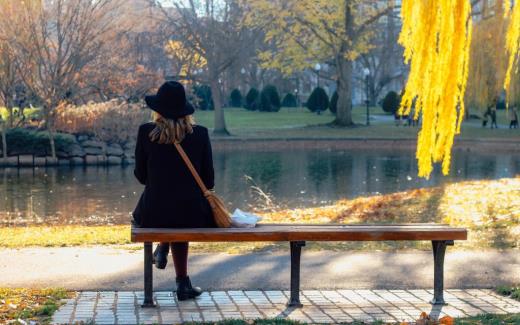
[317, 67]
[366, 72]
[243, 72]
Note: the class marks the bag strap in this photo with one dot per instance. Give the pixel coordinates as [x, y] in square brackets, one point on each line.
[187, 160]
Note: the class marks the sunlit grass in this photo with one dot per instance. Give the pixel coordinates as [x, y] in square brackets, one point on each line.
[301, 123]
[36, 305]
[490, 209]
[56, 236]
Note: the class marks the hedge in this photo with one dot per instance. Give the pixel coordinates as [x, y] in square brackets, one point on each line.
[204, 97]
[318, 100]
[235, 99]
[26, 141]
[289, 100]
[270, 99]
[253, 99]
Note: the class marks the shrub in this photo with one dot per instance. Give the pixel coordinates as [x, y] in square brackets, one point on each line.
[253, 99]
[26, 141]
[270, 99]
[289, 101]
[318, 100]
[112, 121]
[235, 99]
[333, 106]
[391, 102]
[204, 98]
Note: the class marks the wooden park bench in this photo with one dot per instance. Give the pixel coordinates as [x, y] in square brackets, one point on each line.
[297, 234]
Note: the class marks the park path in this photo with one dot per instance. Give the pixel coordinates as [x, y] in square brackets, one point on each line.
[114, 268]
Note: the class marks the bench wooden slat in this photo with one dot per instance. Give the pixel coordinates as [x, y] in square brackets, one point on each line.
[299, 232]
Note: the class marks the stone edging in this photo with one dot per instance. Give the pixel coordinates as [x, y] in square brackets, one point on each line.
[87, 151]
[84, 151]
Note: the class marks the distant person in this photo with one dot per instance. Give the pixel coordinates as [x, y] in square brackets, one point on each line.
[486, 116]
[171, 197]
[411, 120]
[397, 118]
[494, 117]
[513, 117]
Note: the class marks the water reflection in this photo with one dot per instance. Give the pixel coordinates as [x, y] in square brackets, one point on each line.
[98, 195]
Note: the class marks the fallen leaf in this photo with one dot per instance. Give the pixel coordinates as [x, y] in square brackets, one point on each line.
[446, 320]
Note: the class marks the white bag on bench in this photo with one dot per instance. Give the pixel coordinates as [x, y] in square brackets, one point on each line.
[241, 219]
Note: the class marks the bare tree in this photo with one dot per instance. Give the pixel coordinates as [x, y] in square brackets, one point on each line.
[8, 76]
[55, 41]
[214, 30]
[384, 60]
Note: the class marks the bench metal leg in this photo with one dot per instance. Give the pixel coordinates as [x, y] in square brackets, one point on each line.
[148, 276]
[439, 250]
[296, 251]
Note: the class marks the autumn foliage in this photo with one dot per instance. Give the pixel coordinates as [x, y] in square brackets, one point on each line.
[113, 121]
[471, 204]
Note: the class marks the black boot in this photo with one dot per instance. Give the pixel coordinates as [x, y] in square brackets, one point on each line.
[184, 289]
[160, 256]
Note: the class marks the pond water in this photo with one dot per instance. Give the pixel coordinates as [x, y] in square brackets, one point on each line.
[264, 180]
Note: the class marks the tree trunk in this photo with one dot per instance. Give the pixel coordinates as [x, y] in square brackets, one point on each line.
[344, 110]
[53, 145]
[220, 122]
[4, 140]
[50, 129]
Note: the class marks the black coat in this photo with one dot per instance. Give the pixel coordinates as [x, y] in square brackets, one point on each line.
[171, 197]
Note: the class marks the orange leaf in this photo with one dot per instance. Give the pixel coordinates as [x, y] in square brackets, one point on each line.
[446, 320]
[424, 315]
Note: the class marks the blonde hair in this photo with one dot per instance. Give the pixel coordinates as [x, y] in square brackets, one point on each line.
[169, 131]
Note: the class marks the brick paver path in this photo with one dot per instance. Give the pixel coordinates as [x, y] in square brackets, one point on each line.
[320, 306]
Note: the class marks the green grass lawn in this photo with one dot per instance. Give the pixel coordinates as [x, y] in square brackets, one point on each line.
[301, 123]
[512, 292]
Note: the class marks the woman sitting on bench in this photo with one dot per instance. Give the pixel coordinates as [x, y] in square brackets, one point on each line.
[171, 198]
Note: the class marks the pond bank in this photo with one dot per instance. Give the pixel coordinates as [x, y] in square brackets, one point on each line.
[77, 150]
[86, 151]
[269, 144]
[492, 223]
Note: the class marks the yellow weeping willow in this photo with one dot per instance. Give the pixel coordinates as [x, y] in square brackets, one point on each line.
[436, 36]
[512, 41]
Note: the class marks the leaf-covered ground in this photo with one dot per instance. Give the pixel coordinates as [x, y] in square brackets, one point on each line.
[490, 209]
[24, 305]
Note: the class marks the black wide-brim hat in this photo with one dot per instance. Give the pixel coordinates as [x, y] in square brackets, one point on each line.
[170, 101]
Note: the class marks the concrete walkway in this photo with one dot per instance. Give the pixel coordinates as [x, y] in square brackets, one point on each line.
[320, 306]
[110, 268]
